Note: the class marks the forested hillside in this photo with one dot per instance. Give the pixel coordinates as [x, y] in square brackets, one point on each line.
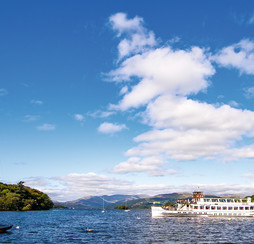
[22, 198]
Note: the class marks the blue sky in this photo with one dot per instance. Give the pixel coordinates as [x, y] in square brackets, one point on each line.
[137, 97]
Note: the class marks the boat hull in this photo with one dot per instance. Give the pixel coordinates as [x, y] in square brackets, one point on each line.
[160, 212]
[4, 228]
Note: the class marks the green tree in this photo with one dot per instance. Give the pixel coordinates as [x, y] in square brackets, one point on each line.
[123, 207]
[22, 198]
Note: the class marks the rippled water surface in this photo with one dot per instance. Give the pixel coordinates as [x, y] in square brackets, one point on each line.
[114, 226]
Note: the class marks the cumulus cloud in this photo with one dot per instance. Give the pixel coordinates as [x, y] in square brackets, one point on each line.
[162, 71]
[250, 176]
[121, 23]
[76, 185]
[185, 129]
[46, 127]
[79, 117]
[138, 38]
[37, 181]
[109, 128]
[150, 165]
[239, 56]
[234, 104]
[157, 81]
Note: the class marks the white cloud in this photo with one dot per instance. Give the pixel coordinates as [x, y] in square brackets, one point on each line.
[124, 90]
[136, 44]
[150, 165]
[101, 114]
[37, 181]
[109, 128]
[39, 102]
[3, 92]
[31, 118]
[249, 92]
[239, 56]
[157, 82]
[138, 38]
[184, 129]
[46, 127]
[250, 176]
[162, 71]
[74, 186]
[121, 24]
[174, 40]
[234, 104]
[78, 117]
[243, 152]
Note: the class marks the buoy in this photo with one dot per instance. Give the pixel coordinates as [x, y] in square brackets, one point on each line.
[243, 229]
[229, 219]
[17, 227]
[88, 229]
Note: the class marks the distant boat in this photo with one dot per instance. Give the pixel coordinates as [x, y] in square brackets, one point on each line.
[89, 230]
[4, 228]
[126, 208]
[103, 209]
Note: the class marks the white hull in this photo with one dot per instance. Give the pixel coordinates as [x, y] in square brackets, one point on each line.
[160, 212]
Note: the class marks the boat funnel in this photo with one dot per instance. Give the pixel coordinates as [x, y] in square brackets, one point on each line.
[198, 196]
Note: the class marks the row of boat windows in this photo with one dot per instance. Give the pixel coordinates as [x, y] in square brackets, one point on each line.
[215, 214]
[222, 208]
[223, 200]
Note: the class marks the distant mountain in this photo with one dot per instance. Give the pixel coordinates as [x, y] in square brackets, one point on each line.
[93, 202]
[147, 202]
[132, 201]
[114, 201]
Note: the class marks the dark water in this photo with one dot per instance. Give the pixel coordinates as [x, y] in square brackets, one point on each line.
[114, 226]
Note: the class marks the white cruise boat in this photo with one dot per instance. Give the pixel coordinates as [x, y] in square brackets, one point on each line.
[207, 207]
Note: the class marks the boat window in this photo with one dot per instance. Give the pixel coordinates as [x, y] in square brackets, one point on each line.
[247, 208]
[251, 208]
[195, 207]
[207, 207]
[224, 208]
[218, 207]
[235, 208]
[213, 207]
[230, 208]
[241, 208]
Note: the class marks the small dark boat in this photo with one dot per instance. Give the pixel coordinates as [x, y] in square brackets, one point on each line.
[4, 228]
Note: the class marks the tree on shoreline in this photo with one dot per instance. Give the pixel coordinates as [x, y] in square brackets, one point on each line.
[122, 207]
[22, 198]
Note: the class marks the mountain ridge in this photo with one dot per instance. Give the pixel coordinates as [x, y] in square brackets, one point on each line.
[132, 201]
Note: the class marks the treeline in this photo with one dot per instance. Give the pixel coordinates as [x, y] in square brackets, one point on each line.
[22, 198]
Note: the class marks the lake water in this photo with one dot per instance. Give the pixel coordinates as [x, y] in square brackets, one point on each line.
[114, 226]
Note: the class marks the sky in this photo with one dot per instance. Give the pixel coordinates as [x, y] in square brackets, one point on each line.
[127, 97]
